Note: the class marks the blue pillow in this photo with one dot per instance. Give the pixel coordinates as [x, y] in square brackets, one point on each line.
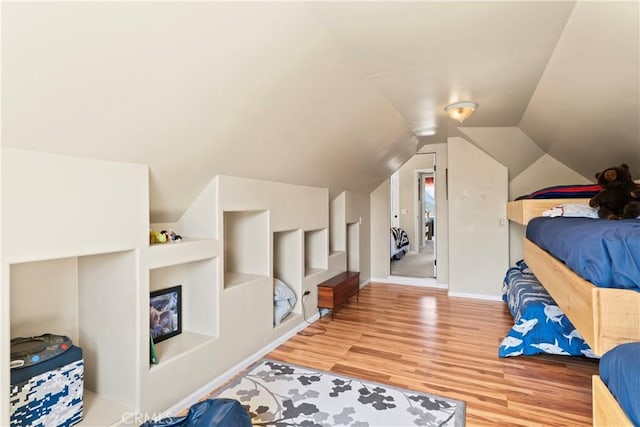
[284, 299]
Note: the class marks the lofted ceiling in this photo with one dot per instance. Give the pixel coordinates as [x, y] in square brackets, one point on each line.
[327, 94]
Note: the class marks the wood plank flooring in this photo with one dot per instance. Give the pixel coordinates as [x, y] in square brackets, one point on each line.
[421, 339]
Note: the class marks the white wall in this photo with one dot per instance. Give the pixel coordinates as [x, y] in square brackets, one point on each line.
[358, 215]
[380, 250]
[58, 311]
[59, 206]
[478, 234]
[545, 172]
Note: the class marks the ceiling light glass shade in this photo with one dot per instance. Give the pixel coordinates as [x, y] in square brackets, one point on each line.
[461, 110]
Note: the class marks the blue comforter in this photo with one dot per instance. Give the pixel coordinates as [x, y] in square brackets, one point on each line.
[539, 324]
[620, 371]
[604, 252]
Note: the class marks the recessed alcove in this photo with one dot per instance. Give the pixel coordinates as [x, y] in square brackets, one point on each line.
[246, 246]
[200, 310]
[315, 251]
[287, 262]
[92, 300]
[336, 225]
[353, 246]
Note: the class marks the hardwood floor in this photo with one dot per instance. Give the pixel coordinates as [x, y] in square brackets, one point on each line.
[421, 339]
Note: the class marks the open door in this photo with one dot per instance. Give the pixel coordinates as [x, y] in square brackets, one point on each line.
[417, 261]
[394, 199]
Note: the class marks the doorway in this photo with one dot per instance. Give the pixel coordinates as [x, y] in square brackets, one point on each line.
[426, 220]
[412, 213]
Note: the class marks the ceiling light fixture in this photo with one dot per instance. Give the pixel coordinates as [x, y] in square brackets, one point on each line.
[461, 110]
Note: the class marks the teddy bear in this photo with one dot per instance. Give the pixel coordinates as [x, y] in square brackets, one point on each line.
[632, 209]
[618, 191]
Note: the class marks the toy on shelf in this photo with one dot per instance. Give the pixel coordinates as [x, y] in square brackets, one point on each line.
[163, 236]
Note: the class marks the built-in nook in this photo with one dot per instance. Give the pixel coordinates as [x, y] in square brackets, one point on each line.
[336, 225]
[315, 251]
[92, 300]
[353, 246]
[246, 246]
[287, 263]
[200, 309]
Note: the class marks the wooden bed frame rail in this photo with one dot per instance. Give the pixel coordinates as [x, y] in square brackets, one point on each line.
[521, 211]
[605, 317]
[606, 410]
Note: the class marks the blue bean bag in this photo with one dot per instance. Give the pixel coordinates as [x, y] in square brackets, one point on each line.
[208, 413]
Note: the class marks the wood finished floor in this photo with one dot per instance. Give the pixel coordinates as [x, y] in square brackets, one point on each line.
[421, 339]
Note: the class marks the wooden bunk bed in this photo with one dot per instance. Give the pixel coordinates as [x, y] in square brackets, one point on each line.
[605, 317]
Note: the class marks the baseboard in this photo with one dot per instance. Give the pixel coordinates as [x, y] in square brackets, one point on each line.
[475, 296]
[411, 281]
[365, 283]
[197, 395]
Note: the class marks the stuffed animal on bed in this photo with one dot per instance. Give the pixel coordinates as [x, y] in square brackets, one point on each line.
[618, 190]
[632, 209]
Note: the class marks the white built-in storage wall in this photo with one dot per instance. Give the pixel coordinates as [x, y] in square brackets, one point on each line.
[72, 231]
[76, 261]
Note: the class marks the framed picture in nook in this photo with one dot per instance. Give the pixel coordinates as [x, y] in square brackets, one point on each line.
[165, 313]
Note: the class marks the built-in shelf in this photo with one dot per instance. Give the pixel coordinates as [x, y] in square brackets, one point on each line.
[236, 279]
[92, 300]
[182, 251]
[316, 251]
[246, 246]
[292, 318]
[179, 346]
[98, 411]
[313, 271]
[200, 308]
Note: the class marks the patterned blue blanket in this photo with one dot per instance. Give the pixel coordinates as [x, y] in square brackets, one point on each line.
[539, 324]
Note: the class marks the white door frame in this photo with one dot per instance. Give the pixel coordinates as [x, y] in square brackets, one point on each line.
[419, 216]
[394, 199]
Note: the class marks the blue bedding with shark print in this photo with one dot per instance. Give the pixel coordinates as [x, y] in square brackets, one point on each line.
[539, 324]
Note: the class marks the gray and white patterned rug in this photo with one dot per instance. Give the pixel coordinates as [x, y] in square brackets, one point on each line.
[279, 394]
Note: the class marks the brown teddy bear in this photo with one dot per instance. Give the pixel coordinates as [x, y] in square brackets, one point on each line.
[632, 209]
[618, 191]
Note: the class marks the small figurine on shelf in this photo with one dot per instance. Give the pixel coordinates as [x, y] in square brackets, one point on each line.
[171, 236]
[174, 237]
[156, 237]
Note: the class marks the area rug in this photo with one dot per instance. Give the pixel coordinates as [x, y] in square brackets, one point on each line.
[279, 394]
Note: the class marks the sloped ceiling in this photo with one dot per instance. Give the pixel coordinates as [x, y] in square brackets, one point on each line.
[320, 93]
[585, 111]
[194, 90]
